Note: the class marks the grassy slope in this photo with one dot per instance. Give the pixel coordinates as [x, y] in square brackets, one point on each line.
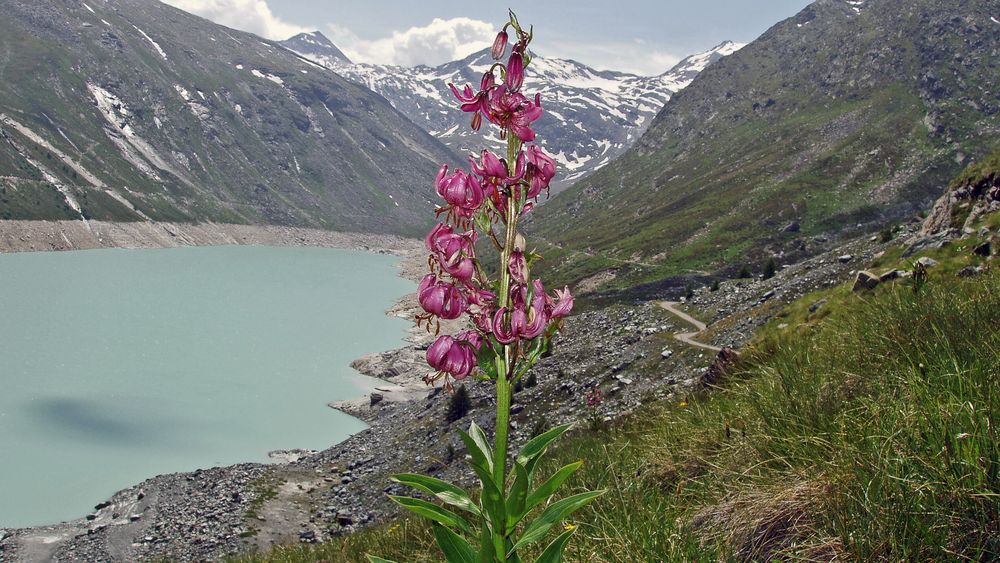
[865, 429]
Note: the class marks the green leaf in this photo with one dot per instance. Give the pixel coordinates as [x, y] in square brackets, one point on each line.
[483, 453]
[518, 496]
[486, 551]
[553, 514]
[493, 504]
[374, 559]
[443, 490]
[432, 511]
[548, 488]
[554, 552]
[482, 465]
[535, 447]
[455, 548]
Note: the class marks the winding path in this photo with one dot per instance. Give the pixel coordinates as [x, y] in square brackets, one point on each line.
[688, 337]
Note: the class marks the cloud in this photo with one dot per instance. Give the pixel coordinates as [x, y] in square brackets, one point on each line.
[636, 57]
[440, 41]
[247, 15]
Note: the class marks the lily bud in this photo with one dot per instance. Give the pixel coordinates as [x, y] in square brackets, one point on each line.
[519, 243]
[515, 72]
[500, 44]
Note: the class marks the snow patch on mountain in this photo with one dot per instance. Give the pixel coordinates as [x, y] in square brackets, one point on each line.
[591, 116]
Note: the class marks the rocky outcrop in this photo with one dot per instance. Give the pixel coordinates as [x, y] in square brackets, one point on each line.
[961, 207]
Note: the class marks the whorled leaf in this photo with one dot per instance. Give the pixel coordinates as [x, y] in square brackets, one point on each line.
[455, 548]
[443, 490]
[554, 552]
[432, 512]
[553, 514]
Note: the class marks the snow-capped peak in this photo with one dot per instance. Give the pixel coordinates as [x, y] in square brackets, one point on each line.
[591, 116]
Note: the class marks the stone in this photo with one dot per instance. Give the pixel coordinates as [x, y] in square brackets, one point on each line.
[889, 276]
[307, 536]
[515, 409]
[984, 249]
[845, 258]
[135, 518]
[865, 280]
[984, 232]
[927, 262]
[969, 272]
[816, 306]
[792, 227]
[344, 518]
[768, 295]
[376, 398]
[666, 353]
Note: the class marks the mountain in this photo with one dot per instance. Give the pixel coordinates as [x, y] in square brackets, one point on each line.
[321, 50]
[133, 110]
[590, 117]
[850, 115]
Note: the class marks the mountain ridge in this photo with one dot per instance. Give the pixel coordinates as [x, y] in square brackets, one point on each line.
[591, 116]
[800, 136]
[137, 111]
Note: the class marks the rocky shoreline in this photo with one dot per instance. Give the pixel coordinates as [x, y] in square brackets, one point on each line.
[37, 236]
[627, 351]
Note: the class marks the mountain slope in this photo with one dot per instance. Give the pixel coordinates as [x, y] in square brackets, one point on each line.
[133, 110]
[844, 117]
[590, 116]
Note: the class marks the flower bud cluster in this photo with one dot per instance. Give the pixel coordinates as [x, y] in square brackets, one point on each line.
[505, 316]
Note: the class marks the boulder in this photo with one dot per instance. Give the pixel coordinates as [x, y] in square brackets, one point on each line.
[344, 518]
[927, 262]
[865, 280]
[891, 275]
[845, 258]
[970, 271]
[376, 398]
[816, 306]
[792, 227]
[666, 353]
[984, 249]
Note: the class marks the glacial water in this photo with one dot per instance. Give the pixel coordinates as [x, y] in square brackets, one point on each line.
[118, 365]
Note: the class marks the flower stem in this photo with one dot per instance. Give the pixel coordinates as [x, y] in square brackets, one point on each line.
[505, 362]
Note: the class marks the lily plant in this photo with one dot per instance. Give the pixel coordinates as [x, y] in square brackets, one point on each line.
[512, 321]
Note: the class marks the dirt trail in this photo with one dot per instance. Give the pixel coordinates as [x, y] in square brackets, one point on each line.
[688, 337]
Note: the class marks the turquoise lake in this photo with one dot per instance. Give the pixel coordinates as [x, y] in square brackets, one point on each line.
[119, 365]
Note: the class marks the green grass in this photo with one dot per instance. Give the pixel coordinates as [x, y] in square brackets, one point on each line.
[866, 430]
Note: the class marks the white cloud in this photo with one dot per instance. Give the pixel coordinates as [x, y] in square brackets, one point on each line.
[438, 42]
[247, 15]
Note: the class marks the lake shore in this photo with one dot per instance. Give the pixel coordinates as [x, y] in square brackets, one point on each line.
[40, 236]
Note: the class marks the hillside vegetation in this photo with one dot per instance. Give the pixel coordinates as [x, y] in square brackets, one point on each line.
[834, 122]
[137, 111]
[863, 428]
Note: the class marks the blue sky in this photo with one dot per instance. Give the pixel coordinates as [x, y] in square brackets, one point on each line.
[641, 36]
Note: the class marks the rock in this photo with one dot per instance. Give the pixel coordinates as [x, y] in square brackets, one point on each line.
[845, 258]
[515, 409]
[768, 295]
[92, 516]
[865, 280]
[135, 518]
[889, 276]
[816, 306]
[666, 353]
[792, 227]
[376, 398]
[984, 249]
[307, 536]
[103, 505]
[970, 271]
[927, 262]
[344, 518]
[984, 232]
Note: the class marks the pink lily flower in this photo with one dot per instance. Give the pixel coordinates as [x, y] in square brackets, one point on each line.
[462, 191]
[524, 324]
[455, 355]
[512, 110]
[454, 252]
[476, 103]
[541, 169]
[440, 298]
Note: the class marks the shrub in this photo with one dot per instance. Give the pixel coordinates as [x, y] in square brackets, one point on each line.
[458, 405]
